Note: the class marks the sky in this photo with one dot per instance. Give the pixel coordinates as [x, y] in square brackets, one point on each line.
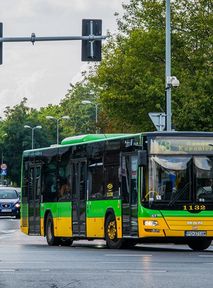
[43, 72]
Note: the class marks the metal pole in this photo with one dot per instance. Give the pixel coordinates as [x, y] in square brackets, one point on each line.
[2, 161]
[168, 68]
[34, 38]
[92, 42]
[96, 117]
[33, 137]
[57, 130]
[96, 113]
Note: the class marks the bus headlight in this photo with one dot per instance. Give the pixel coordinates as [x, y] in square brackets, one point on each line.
[150, 223]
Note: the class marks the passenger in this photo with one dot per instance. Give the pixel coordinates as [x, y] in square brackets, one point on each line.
[64, 190]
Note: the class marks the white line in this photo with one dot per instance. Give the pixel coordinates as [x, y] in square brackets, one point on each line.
[9, 231]
[138, 271]
[7, 270]
[45, 270]
[22, 262]
[123, 262]
[207, 256]
[128, 255]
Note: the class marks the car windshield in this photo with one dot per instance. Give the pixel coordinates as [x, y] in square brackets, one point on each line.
[8, 194]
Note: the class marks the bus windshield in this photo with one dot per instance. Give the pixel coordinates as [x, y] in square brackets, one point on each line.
[173, 179]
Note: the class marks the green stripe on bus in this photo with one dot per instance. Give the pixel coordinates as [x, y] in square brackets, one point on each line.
[98, 208]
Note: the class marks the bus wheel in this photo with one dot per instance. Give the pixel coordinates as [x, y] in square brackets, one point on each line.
[111, 233]
[199, 244]
[51, 239]
[64, 241]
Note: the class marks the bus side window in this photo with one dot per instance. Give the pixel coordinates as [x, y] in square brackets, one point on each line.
[112, 181]
[96, 180]
[50, 184]
[125, 180]
[83, 182]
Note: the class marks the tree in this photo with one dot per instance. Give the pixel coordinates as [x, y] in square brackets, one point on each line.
[15, 138]
[49, 126]
[14, 141]
[82, 116]
[132, 73]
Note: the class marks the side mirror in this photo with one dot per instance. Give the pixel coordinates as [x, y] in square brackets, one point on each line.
[142, 158]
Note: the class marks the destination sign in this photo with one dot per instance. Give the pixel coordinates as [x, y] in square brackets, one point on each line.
[181, 145]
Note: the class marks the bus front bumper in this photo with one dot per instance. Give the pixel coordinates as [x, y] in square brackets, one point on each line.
[176, 227]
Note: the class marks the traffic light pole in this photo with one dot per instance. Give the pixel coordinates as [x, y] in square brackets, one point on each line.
[34, 38]
[91, 39]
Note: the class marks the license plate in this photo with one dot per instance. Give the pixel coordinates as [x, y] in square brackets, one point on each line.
[195, 233]
[6, 210]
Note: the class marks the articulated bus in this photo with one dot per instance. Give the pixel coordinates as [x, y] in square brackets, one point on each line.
[124, 188]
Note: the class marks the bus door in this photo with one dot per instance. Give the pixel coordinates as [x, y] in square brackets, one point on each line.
[79, 180]
[34, 194]
[129, 194]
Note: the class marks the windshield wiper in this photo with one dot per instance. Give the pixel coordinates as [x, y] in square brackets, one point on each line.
[178, 194]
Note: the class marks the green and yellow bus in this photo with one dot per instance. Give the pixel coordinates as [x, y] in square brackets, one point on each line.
[124, 188]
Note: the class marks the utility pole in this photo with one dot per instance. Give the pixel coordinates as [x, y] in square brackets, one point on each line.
[164, 120]
[168, 68]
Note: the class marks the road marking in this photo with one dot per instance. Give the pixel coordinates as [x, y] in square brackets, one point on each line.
[138, 271]
[123, 262]
[7, 270]
[45, 270]
[207, 256]
[128, 255]
[8, 231]
[22, 262]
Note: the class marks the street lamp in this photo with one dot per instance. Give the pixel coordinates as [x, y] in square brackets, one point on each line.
[96, 110]
[33, 129]
[57, 124]
[3, 165]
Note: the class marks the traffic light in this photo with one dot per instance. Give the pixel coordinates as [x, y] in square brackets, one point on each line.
[1, 43]
[91, 49]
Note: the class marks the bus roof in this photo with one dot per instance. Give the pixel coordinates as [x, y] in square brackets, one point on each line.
[79, 139]
[179, 133]
[89, 138]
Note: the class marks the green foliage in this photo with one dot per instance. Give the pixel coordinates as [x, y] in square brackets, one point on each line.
[130, 90]
[132, 73]
[15, 138]
[82, 115]
[49, 126]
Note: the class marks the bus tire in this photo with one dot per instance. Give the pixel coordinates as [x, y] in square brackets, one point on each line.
[65, 241]
[199, 244]
[112, 241]
[51, 239]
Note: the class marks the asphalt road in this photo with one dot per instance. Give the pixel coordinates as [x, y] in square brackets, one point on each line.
[27, 261]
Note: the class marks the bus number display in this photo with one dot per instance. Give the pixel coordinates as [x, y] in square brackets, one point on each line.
[194, 208]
